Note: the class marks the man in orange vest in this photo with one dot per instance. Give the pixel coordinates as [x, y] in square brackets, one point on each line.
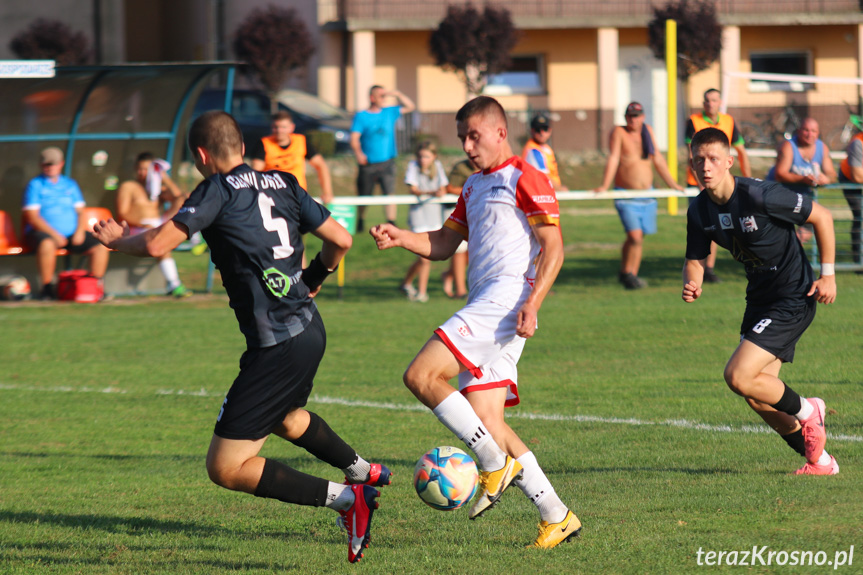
[287, 151]
[851, 171]
[711, 117]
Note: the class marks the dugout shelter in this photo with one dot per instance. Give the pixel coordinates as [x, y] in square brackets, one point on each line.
[102, 117]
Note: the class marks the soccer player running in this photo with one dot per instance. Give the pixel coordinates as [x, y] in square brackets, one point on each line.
[509, 214]
[755, 221]
[253, 222]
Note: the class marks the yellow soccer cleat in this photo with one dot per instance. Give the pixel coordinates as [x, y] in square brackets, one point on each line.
[493, 484]
[551, 534]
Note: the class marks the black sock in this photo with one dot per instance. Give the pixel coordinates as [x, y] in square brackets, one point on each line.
[278, 481]
[795, 441]
[790, 402]
[325, 444]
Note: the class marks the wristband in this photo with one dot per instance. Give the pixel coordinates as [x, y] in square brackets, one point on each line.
[828, 270]
[314, 275]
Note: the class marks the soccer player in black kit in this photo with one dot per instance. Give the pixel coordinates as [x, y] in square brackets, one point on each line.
[252, 222]
[755, 221]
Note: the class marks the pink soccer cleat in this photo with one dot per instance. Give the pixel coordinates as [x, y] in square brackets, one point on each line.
[831, 468]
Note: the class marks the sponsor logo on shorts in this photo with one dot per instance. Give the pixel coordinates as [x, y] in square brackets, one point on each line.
[799, 205]
[762, 325]
[748, 224]
[464, 331]
[725, 222]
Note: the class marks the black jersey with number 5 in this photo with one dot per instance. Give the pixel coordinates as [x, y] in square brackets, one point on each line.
[253, 223]
[757, 226]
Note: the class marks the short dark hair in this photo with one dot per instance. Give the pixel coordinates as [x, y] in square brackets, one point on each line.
[712, 90]
[375, 87]
[145, 157]
[218, 133]
[481, 106]
[709, 136]
[283, 115]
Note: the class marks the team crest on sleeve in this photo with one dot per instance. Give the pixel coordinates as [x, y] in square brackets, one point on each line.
[748, 224]
[464, 330]
[725, 222]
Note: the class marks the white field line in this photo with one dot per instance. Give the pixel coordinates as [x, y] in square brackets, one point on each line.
[678, 423]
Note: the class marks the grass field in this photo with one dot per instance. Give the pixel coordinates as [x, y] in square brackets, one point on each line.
[108, 410]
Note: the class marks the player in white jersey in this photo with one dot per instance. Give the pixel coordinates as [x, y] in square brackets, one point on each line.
[509, 214]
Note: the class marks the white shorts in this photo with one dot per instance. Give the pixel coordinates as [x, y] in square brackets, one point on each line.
[482, 337]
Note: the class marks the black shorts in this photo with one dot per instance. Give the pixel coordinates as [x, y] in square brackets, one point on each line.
[777, 328]
[272, 382]
[34, 238]
[383, 173]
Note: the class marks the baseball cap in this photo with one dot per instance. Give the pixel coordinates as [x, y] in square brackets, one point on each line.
[634, 109]
[540, 122]
[52, 155]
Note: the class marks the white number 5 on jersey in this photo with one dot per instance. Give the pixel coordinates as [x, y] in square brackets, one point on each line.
[271, 224]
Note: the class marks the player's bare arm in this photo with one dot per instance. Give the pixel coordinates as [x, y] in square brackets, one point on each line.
[357, 149]
[548, 265]
[615, 144]
[824, 287]
[693, 277]
[436, 246]
[154, 243]
[828, 171]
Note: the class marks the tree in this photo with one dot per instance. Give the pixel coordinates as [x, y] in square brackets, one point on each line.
[474, 45]
[274, 43]
[51, 40]
[699, 34]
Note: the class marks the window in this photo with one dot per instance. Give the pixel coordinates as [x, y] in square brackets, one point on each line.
[526, 75]
[796, 63]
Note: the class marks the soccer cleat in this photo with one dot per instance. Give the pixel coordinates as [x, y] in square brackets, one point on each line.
[632, 281]
[831, 468]
[493, 484]
[814, 434]
[358, 520]
[409, 290]
[180, 292]
[710, 277]
[379, 475]
[552, 534]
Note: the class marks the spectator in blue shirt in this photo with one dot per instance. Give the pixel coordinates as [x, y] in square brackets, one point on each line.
[373, 141]
[53, 206]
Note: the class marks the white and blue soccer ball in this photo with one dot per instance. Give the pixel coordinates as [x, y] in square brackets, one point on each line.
[445, 478]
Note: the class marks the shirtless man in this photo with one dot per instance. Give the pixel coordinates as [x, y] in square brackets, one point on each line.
[139, 205]
[632, 150]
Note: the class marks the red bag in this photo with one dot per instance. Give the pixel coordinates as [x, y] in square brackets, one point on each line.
[79, 286]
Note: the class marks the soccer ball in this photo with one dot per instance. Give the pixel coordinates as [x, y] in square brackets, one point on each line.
[14, 288]
[445, 478]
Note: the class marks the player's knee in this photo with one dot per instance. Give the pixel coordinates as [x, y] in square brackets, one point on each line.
[736, 380]
[414, 378]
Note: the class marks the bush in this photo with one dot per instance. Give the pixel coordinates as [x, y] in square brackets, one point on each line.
[323, 142]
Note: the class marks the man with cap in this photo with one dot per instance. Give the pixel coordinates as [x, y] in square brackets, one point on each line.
[632, 151]
[539, 154]
[53, 219]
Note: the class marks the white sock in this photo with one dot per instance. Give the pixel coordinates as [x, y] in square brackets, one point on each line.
[169, 270]
[456, 413]
[538, 489]
[824, 459]
[359, 470]
[806, 409]
[339, 496]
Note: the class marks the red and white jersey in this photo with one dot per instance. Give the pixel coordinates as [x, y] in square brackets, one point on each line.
[495, 212]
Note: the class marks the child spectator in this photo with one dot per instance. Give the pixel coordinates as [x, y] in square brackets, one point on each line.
[426, 179]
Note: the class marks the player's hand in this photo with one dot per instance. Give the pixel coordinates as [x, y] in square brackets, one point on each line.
[108, 232]
[362, 159]
[691, 292]
[526, 321]
[824, 289]
[385, 235]
[77, 237]
[316, 291]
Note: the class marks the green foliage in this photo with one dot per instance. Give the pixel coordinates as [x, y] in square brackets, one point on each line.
[699, 34]
[323, 142]
[108, 410]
